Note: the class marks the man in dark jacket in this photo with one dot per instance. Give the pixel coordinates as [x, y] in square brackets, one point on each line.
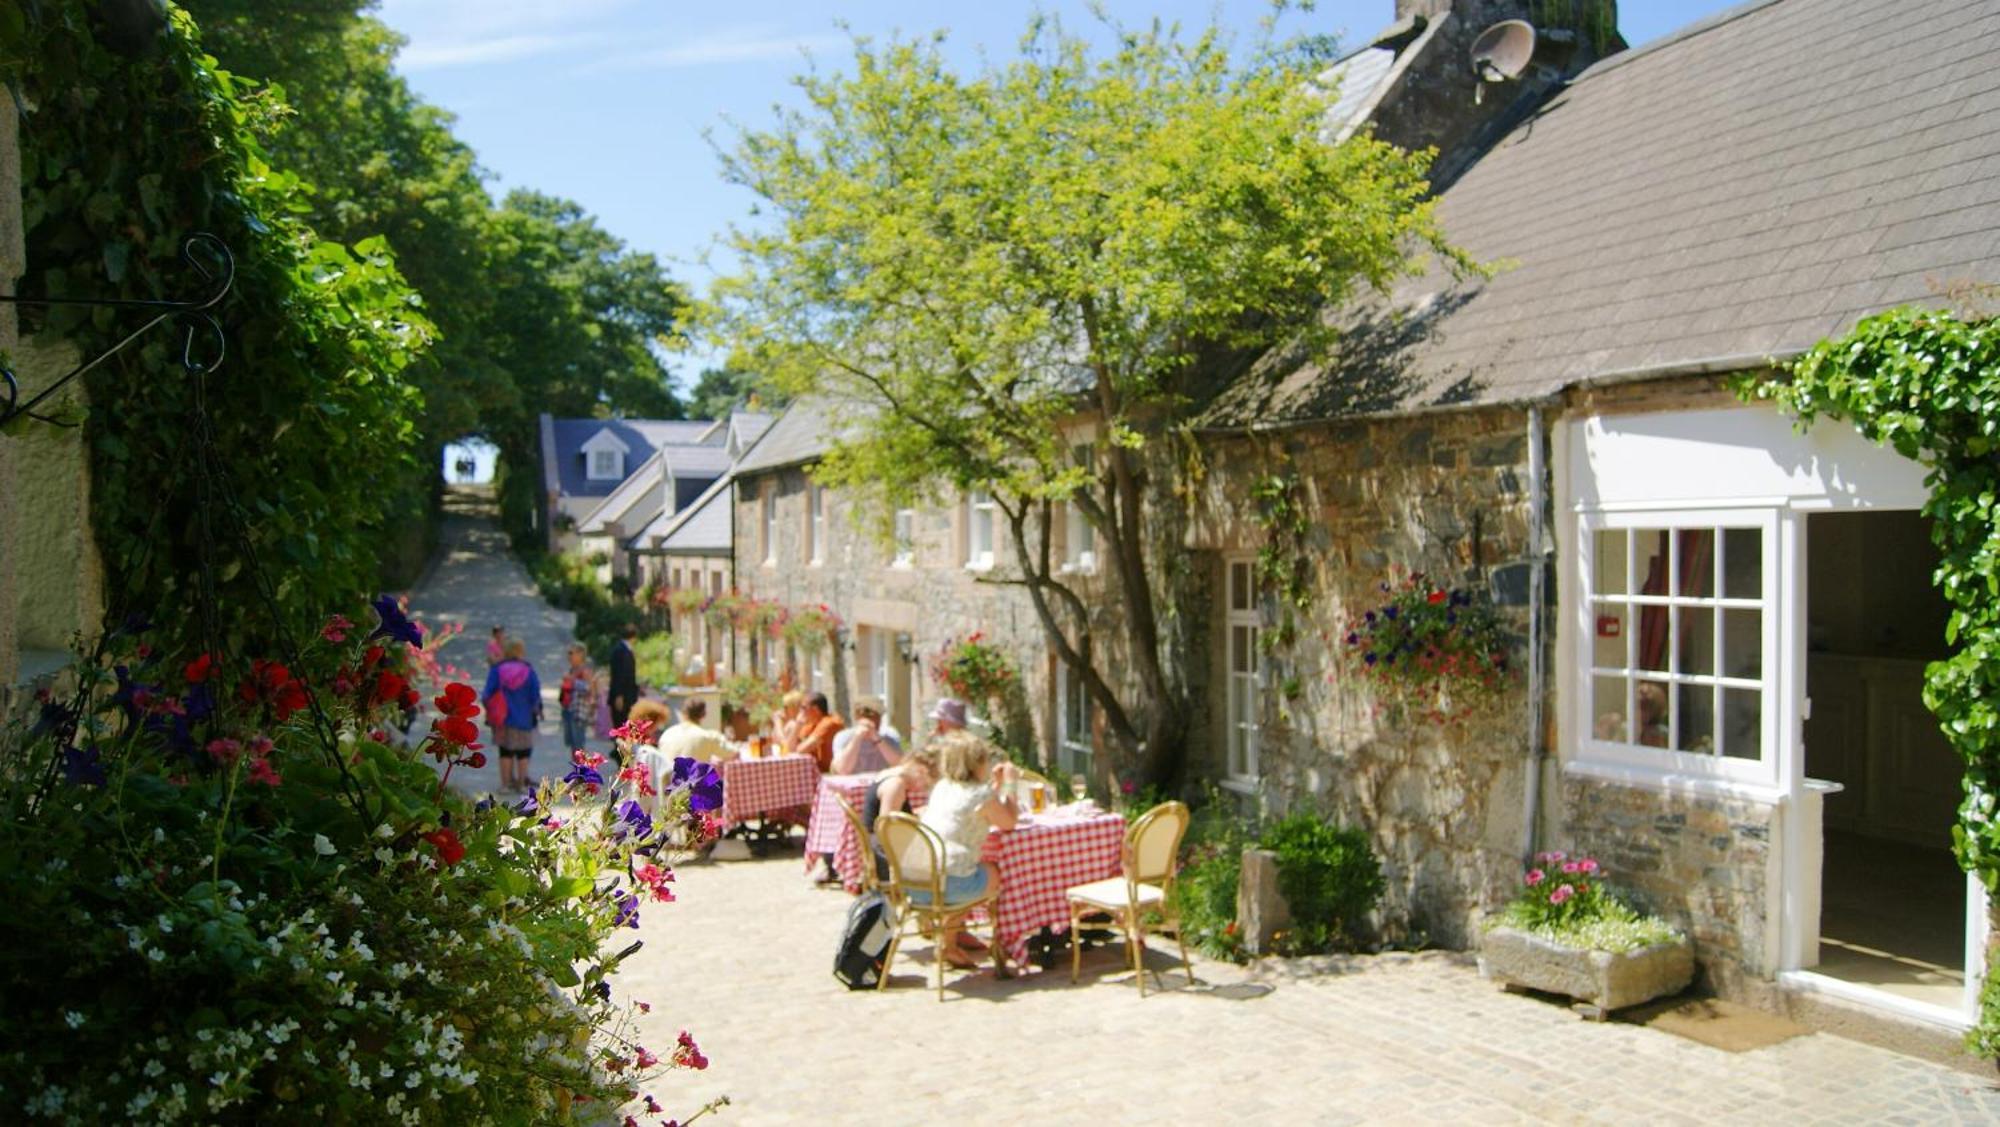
[624, 676]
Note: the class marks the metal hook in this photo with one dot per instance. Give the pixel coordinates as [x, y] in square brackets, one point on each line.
[222, 278]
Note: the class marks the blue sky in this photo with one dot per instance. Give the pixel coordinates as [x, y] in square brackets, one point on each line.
[607, 102]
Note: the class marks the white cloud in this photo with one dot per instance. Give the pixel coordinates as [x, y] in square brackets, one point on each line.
[740, 45]
[427, 54]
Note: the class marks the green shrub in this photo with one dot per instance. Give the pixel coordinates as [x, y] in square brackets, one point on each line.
[654, 658]
[568, 582]
[1330, 879]
[1211, 868]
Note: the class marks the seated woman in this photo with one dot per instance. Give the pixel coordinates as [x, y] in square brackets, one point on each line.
[790, 718]
[889, 793]
[974, 792]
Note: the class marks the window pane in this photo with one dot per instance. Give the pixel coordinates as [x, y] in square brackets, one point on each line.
[1654, 632]
[1695, 718]
[1743, 644]
[1610, 633]
[1649, 545]
[1696, 631]
[1239, 649]
[1742, 723]
[1694, 556]
[1649, 700]
[1239, 586]
[1608, 564]
[1743, 563]
[1607, 706]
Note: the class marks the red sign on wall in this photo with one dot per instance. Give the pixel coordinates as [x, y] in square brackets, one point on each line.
[1609, 625]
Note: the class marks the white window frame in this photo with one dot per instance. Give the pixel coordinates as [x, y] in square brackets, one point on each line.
[979, 530]
[1079, 535]
[815, 525]
[1076, 743]
[606, 465]
[767, 502]
[871, 663]
[903, 533]
[1242, 700]
[1614, 758]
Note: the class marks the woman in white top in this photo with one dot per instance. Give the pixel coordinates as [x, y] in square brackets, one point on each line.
[974, 792]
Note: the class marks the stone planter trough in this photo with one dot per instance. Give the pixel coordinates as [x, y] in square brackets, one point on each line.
[1602, 981]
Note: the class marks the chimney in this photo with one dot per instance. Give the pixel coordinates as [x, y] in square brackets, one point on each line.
[1431, 96]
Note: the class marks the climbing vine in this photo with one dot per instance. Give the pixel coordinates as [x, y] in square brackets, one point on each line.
[123, 157]
[1278, 506]
[1928, 384]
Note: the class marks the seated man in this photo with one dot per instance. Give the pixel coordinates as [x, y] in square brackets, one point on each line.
[689, 739]
[817, 728]
[869, 746]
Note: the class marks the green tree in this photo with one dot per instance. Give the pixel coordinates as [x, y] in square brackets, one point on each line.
[721, 390]
[991, 266]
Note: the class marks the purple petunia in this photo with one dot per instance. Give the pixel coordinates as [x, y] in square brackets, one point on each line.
[702, 781]
[396, 624]
[628, 909]
[633, 821]
[584, 774]
[527, 807]
[83, 767]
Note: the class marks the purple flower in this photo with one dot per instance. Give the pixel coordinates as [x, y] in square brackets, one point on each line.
[628, 909]
[396, 624]
[601, 990]
[702, 781]
[83, 767]
[1369, 657]
[200, 701]
[483, 805]
[1389, 612]
[1354, 639]
[633, 821]
[527, 807]
[127, 696]
[584, 775]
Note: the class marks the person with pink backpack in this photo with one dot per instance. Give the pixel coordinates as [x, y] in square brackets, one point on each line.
[513, 699]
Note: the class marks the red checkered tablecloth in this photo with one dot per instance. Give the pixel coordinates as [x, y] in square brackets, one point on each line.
[783, 786]
[829, 831]
[1040, 859]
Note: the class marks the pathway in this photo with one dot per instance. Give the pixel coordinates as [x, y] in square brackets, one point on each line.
[477, 582]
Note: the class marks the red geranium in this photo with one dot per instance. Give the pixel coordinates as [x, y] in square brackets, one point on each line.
[200, 669]
[450, 850]
[274, 686]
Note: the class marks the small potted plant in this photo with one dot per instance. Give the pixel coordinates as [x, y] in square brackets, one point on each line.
[1565, 933]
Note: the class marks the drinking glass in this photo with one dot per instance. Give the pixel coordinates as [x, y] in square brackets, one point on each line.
[1038, 797]
[1079, 787]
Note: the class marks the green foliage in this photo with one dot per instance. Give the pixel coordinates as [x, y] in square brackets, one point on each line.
[121, 161]
[957, 265]
[655, 660]
[1284, 562]
[270, 917]
[569, 582]
[754, 695]
[1927, 384]
[721, 390]
[1565, 900]
[1211, 869]
[1330, 879]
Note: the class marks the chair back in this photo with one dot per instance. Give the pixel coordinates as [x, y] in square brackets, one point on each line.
[915, 853]
[868, 881]
[1153, 844]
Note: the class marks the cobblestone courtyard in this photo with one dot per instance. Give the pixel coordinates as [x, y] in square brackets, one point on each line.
[743, 960]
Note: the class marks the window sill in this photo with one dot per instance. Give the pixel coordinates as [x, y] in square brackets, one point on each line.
[903, 563]
[1078, 567]
[979, 565]
[1240, 784]
[1664, 780]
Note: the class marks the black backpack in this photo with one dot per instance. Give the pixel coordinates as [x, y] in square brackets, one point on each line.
[870, 926]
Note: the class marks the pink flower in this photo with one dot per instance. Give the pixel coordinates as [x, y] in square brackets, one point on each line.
[687, 1054]
[336, 628]
[1535, 877]
[1571, 867]
[645, 1058]
[655, 879]
[224, 751]
[1586, 866]
[262, 772]
[1562, 893]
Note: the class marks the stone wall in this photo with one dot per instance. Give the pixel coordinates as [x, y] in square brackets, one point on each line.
[1707, 864]
[931, 601]
[1445, 495]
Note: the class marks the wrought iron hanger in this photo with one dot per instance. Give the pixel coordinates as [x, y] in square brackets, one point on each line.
[195, 313]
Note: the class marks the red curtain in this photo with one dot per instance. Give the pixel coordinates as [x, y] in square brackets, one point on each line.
[1697, 560]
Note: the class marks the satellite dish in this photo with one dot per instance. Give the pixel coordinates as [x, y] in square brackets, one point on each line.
[1502, 51]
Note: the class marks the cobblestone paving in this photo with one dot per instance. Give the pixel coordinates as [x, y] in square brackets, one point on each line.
[477, 583]
[743, 960]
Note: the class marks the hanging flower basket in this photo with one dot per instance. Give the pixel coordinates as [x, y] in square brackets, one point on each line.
[974, 670]
[685, 600]
[754, 695]
[723, 611]
[810, 629]
[1440, 651]
[762, 616]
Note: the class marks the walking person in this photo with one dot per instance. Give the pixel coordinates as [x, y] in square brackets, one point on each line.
[578, 697]
[515, 693]
[624, 675]
[496, 647]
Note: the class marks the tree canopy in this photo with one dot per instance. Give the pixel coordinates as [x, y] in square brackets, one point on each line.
[1000, 266]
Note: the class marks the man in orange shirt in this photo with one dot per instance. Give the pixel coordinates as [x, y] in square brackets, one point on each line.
[817, 728]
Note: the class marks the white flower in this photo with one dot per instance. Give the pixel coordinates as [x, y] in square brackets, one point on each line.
[385, 831]
[154, 1067]
[383, 855]
[322, 846]
[73, 1019]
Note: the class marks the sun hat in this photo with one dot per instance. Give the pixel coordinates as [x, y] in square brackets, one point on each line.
[949, 709]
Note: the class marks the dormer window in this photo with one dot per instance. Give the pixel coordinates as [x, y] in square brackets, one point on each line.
[604, 456]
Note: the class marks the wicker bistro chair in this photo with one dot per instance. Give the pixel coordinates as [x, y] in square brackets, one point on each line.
[916, 864]
[869, 883]
[1150, 858]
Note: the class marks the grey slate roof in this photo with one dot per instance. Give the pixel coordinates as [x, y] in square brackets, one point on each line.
[638, 498]
[705, 461]
[1738, 191]
[702, 528]
[563, 439]
[798, 436]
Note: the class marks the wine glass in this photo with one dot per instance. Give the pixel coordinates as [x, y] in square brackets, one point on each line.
[1079, 787]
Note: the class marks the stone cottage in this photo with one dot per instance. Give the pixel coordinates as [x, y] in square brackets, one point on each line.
[1720, 623]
